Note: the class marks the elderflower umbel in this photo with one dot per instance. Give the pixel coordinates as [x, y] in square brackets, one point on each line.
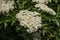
[5, 6]
[42, 6]
[29, 20]
[45, 8]
[42, 1]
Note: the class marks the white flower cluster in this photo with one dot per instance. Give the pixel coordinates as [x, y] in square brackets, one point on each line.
[45, 8]
[5, 6]
[29, 20]
[42, 6]
[42, 1]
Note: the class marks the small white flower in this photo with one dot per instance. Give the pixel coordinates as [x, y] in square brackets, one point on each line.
[5, 6]
[29, 20]
[37, 5]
